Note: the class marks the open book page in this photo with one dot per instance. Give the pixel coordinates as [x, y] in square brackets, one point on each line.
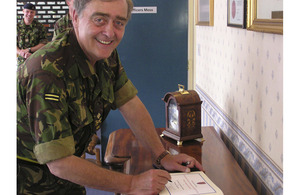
[192, 183]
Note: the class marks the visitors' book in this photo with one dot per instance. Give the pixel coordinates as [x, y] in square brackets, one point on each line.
[193, 183]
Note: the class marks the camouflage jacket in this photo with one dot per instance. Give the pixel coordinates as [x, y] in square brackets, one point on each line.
[30, 36]
[62, 99]
[61, 25]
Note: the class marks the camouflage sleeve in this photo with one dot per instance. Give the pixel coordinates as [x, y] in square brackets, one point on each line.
[19, 37]
[48, 111]
[124, 94]
[124, 88]
[61, 25]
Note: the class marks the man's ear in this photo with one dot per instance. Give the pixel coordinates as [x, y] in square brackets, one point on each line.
[74, 18]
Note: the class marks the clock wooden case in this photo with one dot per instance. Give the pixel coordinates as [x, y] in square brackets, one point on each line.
[183, 115]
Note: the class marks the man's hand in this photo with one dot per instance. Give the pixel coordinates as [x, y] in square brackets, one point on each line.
[175, 163]
[149, 182]
[27, 55]
[92, 144]
[24, 53]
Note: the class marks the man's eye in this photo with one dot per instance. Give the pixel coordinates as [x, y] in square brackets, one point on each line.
[120, 24]
[98, 20]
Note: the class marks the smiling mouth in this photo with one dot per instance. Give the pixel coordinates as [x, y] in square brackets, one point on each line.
[104, 42]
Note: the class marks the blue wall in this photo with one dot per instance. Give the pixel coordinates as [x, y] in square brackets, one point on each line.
[154, 55]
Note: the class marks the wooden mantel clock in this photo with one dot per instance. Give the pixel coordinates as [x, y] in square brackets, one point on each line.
[183, 115]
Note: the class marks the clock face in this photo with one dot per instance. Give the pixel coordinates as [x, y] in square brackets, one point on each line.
[173, 116]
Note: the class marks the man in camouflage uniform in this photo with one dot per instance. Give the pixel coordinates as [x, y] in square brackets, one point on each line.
[60, 26]
[65, 91]
[65, 22]
[31, 35]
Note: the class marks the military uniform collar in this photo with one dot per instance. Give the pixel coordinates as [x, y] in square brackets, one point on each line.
[85, 67]
[33, 23]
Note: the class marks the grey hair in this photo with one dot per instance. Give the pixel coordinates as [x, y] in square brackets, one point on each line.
[79, 6]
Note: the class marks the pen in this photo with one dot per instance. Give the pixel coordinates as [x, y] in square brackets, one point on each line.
[156, 167]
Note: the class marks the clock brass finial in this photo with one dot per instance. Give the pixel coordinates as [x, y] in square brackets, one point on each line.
[181, 89]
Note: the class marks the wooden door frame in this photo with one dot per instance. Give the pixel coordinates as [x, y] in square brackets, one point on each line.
[191, 44]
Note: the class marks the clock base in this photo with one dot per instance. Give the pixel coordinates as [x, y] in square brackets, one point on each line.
[179, 143]
[180, 139]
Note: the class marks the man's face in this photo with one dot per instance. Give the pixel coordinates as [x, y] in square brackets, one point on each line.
[100, 27]
[28, 15]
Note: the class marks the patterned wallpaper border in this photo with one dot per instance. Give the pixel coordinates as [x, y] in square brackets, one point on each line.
[262, 165]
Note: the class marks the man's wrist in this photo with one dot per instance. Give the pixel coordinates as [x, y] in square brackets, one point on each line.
[161, 156]
[29, 50]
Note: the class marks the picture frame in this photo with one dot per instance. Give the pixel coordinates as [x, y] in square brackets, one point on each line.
[205, 12]
[236, 13]
[261, 24]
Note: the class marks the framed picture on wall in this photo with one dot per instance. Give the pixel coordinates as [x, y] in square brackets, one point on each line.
[236, 13]
[205, 12]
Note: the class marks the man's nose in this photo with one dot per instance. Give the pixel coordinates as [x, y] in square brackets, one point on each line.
[109, 29]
